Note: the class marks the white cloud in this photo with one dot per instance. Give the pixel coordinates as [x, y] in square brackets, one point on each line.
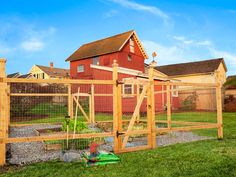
[110, 13]
[165, 54]
[196, 50]
[183, 40]
[141, 7]
[204, 43]
[32, 45]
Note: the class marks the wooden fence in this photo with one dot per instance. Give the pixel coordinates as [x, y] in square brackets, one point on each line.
[122, 123]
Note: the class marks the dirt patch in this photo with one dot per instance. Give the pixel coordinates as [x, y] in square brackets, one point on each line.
[28, 117]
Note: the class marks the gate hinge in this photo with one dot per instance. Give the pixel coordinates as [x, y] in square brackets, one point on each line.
[118, 133]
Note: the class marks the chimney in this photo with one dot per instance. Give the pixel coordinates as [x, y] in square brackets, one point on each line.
[51, 64]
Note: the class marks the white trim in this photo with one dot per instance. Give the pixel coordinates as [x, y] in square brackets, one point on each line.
[120, 69]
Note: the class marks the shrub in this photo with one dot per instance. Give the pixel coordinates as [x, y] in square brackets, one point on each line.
[79, 126]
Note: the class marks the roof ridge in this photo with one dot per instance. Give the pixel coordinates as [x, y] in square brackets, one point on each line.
[191, 62]
[109, 37]
[52, 68]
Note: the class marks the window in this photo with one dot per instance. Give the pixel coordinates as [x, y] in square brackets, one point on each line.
[129, 58]
[174, 91]
[43, 76]
[128, 89]
[96, 61]
[131, 44]
[80, 68]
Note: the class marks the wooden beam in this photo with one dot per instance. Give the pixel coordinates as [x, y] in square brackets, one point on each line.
[168, 97]
[4, 108]
[57, 81]
[132, 121]
[137, 98]
[39, 94]
[56, 137]
[132, 149]
[115, 106]
[119, 112]
[81, 109]
[70, 102]
[187, 128]
[92, 104]
[219, 106]
[151, 109]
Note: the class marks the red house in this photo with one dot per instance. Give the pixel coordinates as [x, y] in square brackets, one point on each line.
[94, 61]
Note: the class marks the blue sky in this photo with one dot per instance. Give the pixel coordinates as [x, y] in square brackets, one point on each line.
[37, 32]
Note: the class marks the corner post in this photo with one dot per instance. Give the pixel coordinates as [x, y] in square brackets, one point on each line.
[219, 106]
[168, 105]
[151, 108]
[115, 106]
[4, 112]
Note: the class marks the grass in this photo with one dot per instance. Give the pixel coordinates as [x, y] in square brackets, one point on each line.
[202, 158]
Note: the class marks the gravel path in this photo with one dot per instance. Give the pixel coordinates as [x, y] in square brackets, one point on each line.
[25, 153]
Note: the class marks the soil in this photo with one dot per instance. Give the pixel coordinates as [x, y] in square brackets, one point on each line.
[28, 117]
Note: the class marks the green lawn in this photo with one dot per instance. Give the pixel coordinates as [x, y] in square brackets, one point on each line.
[204, 158]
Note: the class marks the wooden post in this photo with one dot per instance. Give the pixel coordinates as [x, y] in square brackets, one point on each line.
[219, 106]
[92, 104]
[115, 106]
[70, 102]
[137, 98]
[119, 112]
[168, 105]
[4, 108]
[151, 109]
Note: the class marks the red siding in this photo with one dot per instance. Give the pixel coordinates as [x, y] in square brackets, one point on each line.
[104, 104]
[136, 63]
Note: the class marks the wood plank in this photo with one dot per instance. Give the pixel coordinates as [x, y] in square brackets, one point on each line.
[70, 101]
[81, 109]
[132, 149]
[168, 97]
[137, 98]
[219, 107]
[187, 128]
[92, 104]
[132, 121]
[39, 94]
[115, 106]
[81, 94]
[57, 137]
[57, 81]
[103, 94]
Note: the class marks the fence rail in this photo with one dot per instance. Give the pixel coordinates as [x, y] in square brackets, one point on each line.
[81, 110]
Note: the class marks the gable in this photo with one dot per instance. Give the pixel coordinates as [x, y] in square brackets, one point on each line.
[105, 46]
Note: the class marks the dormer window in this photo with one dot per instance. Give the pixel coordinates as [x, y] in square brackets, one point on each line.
[129, 58]
[131, 44]
[96, 61]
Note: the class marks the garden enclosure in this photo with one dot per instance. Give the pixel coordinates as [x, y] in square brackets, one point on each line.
[65, 113]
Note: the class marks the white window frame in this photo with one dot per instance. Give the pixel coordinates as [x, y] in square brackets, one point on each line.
[80, 70]
[175, 92]
[128, 94]
[131, 44]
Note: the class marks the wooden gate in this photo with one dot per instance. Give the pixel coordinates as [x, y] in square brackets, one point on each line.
[129, 128]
